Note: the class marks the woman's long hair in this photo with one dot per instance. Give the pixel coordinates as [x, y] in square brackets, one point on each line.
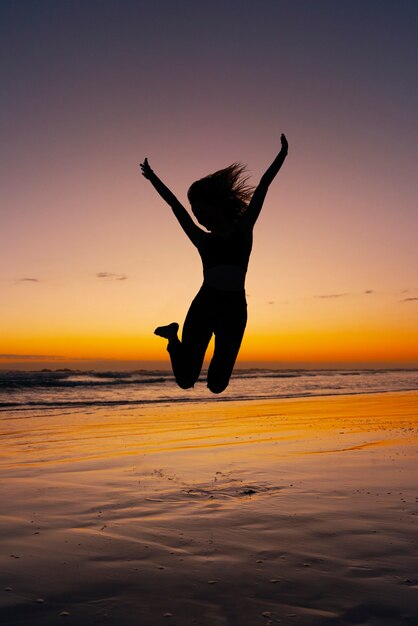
[227, 189]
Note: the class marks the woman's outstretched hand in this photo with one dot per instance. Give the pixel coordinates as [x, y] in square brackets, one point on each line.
[285, 145]
[146, 170]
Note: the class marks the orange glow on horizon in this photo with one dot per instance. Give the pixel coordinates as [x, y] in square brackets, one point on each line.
[314, 346]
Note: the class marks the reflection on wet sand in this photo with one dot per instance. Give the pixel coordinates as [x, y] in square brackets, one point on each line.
[302, 511]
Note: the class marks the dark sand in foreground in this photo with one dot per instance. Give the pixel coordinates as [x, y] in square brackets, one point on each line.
[299, 512]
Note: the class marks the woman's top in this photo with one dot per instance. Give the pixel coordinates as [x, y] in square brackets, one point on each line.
[225, 258]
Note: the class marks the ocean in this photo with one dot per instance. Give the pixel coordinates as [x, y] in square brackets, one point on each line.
[52, 389]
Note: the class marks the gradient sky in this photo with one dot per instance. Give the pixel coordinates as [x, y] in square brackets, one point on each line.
[91, 259]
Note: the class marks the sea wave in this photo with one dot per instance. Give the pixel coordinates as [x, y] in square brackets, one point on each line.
[15, 380]
[57, 389]
[18, 380]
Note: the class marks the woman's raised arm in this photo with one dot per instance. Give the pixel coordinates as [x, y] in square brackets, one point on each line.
[182, 215]
[257, 200]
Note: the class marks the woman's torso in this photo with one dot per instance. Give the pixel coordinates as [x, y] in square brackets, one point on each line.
[225, 258]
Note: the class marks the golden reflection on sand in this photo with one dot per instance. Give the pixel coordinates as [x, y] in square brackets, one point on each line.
[298, 426]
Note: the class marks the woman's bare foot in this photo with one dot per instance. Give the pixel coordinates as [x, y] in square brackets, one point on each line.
[168, 332]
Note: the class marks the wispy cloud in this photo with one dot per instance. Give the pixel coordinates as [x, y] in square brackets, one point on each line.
[368, 291]
[28, 280]
[409, 300]
[332, 295]
[111, 276]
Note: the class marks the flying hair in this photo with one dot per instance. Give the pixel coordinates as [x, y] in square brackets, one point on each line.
[227, 189]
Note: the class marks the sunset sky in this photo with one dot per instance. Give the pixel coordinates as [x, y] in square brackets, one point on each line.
[91, 259]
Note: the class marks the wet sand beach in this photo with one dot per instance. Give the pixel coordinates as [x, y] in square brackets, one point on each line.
[297, 511]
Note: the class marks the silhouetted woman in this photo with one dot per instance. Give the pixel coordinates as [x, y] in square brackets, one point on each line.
[227, 207]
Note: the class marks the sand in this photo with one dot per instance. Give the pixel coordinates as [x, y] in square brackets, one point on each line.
[289, 512]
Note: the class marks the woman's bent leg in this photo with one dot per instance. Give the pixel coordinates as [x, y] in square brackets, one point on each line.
[187, 355]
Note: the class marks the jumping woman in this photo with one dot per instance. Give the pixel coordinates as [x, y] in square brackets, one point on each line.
[226, 206]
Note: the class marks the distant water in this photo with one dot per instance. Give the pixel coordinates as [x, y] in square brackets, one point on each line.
[71, 388]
